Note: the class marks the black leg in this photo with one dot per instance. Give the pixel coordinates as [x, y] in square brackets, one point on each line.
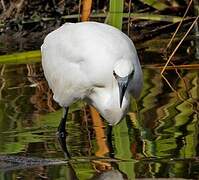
[109, 141]
[62, 124]
[62, 133]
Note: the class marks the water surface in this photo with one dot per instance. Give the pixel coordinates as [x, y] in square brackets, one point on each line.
[159, 141]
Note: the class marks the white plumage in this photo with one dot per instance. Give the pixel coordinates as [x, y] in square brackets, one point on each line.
[90, 61]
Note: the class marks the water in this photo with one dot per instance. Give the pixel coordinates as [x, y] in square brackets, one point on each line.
[160, 141]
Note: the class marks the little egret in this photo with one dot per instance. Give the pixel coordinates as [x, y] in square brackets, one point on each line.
[94, 62]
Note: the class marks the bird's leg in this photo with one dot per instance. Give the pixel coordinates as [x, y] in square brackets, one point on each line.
[109, 141]
[62, 133]
[62, 124]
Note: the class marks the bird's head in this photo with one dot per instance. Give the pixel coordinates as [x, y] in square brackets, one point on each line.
[123, 73]
[112, 102]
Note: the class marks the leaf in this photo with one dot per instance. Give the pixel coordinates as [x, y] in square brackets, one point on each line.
[115, 16]
[21, 58]
[155, 4]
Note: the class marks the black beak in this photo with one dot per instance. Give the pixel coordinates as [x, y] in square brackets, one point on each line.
[122, 83]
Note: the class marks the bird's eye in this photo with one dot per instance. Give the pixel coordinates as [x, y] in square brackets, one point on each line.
[114, 74]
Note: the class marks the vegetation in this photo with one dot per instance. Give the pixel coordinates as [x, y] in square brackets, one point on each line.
[162, 138]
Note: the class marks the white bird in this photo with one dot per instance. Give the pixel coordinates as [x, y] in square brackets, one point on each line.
[94, 62]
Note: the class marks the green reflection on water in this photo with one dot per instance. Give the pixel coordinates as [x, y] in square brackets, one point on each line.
[168, 129]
